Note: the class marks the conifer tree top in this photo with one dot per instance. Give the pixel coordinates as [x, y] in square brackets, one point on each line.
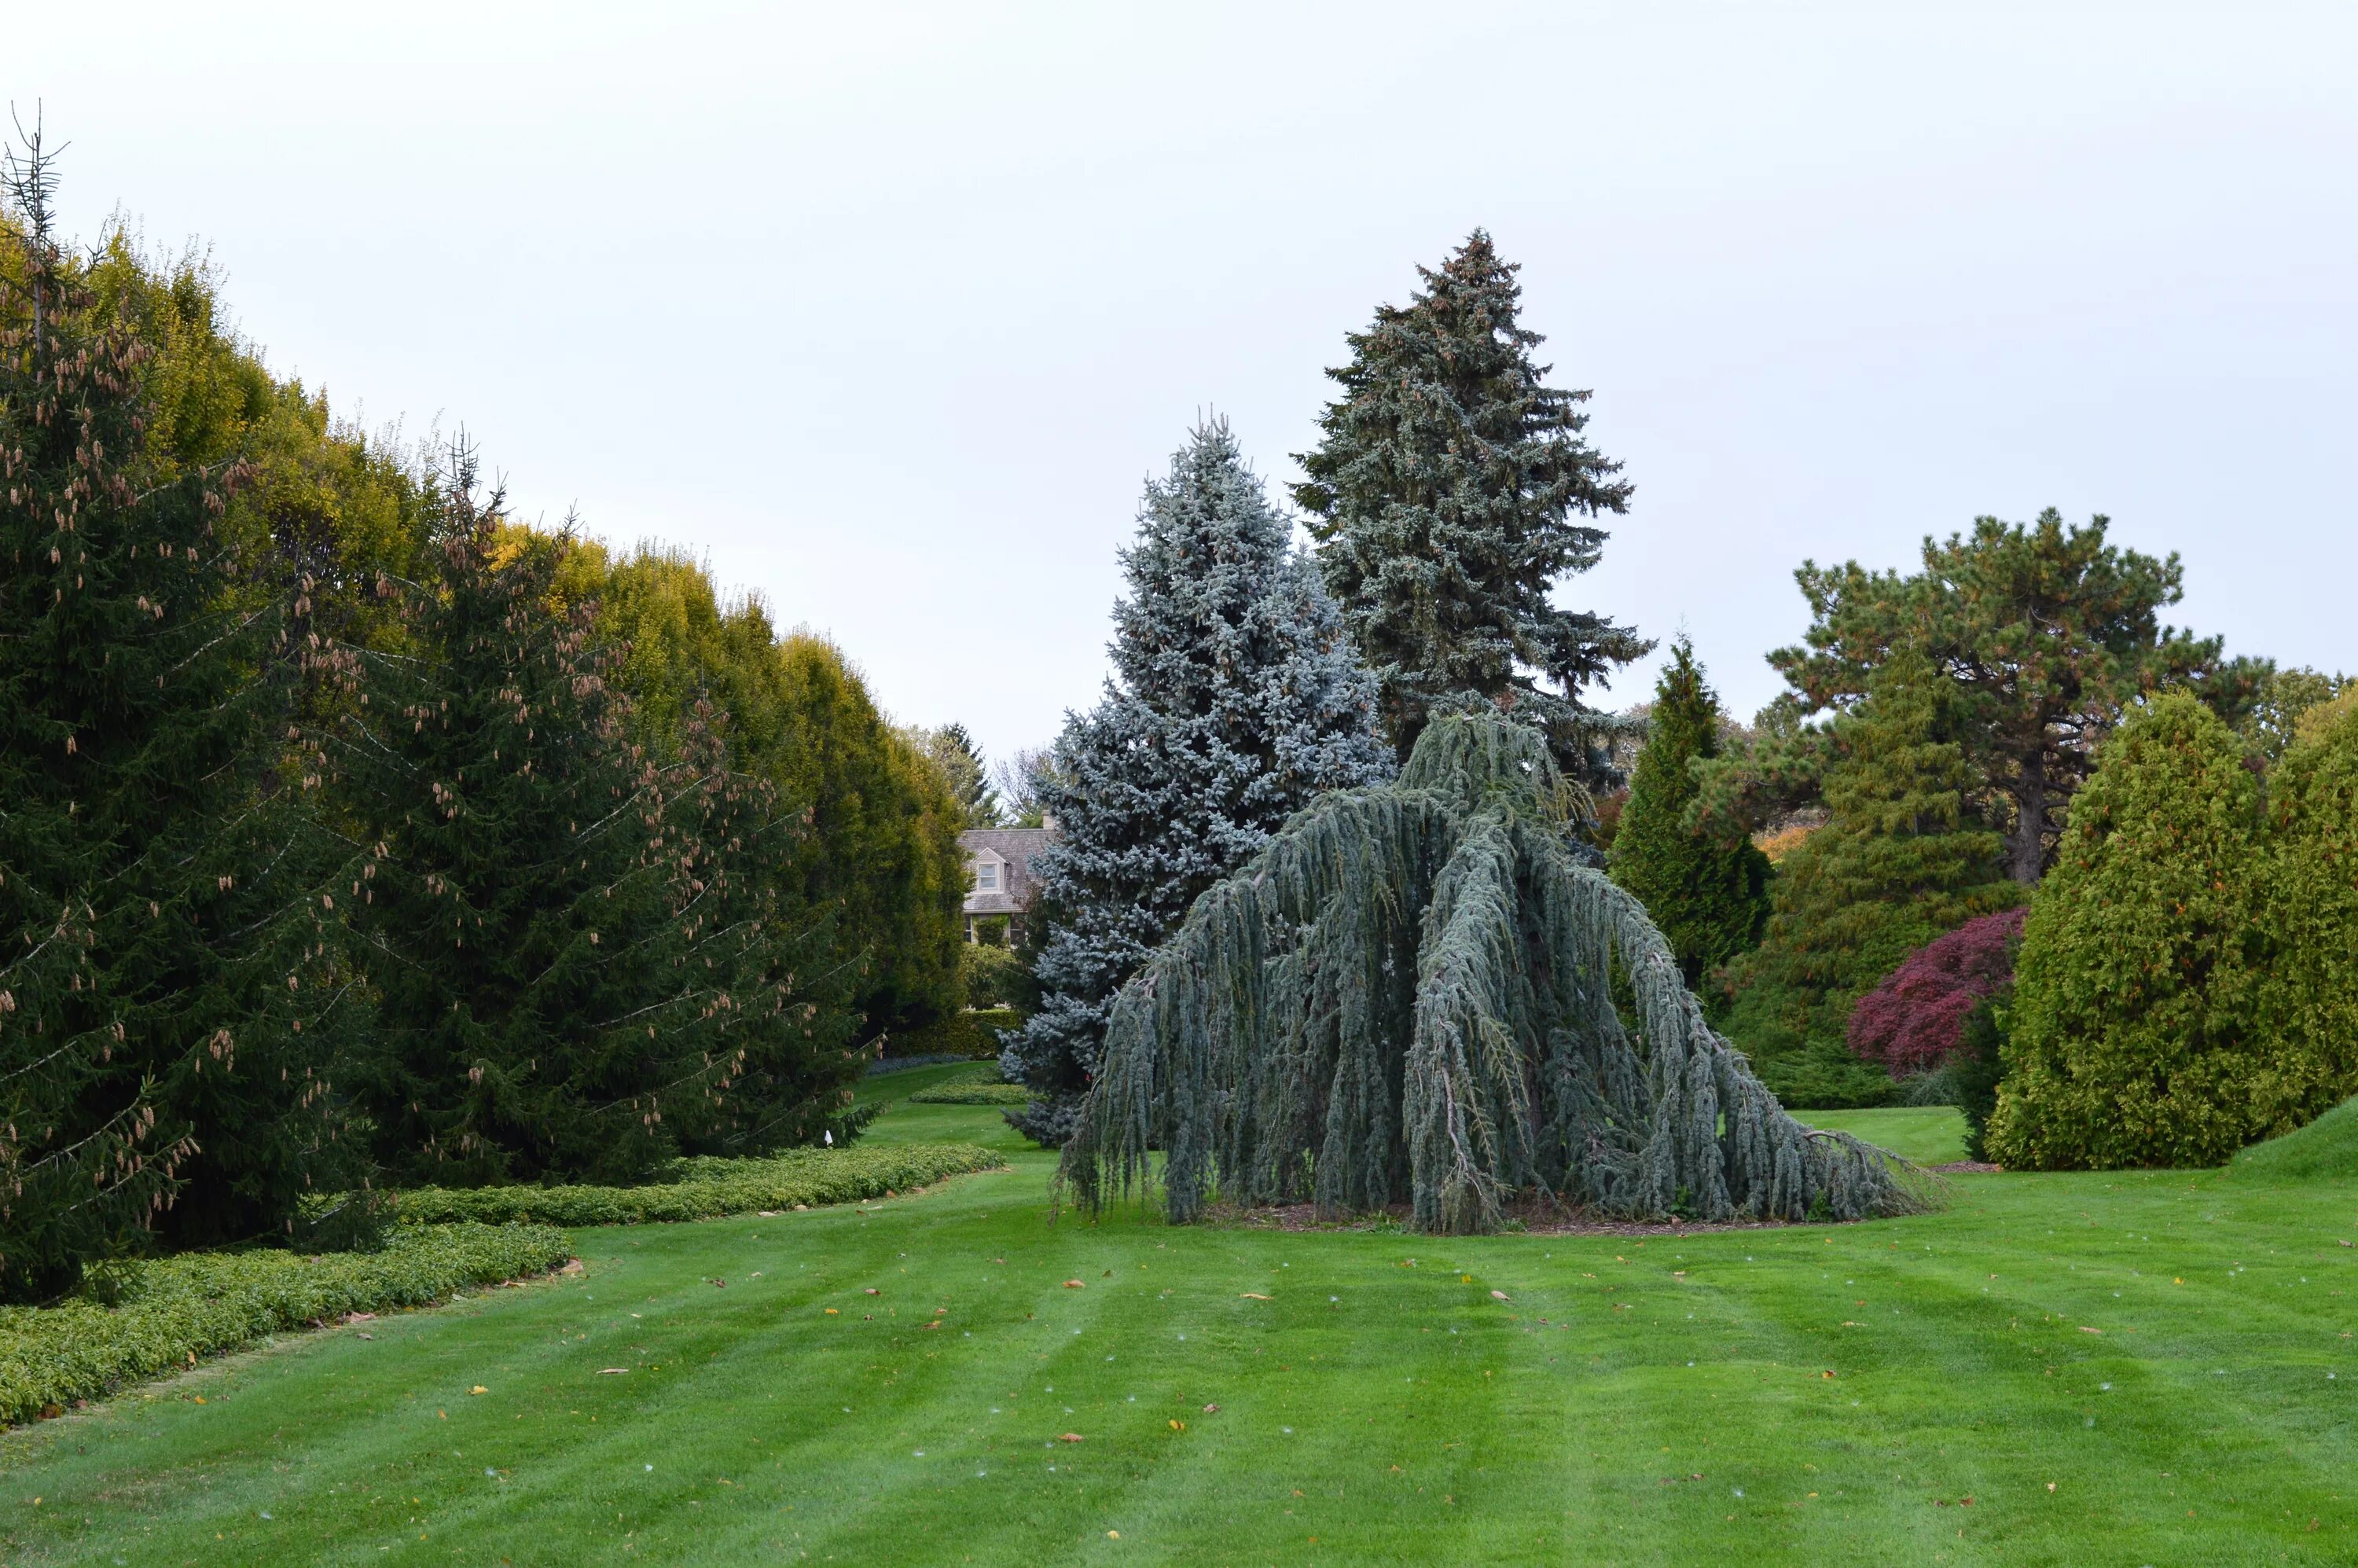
[1444, 495]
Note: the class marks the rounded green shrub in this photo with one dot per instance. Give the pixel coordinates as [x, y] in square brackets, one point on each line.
[2310, 998]
[2134, 1035]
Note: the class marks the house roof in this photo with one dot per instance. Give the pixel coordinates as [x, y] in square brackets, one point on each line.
[1014, 848]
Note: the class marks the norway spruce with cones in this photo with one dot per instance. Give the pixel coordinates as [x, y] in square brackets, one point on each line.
[172, 987]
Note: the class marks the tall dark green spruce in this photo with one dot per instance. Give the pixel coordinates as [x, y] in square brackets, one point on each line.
[1709, 898]
[1903, 859]
[171, 993]
[1449, 495]
[578, 976]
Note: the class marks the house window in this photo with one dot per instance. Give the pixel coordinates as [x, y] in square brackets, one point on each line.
[985, 878]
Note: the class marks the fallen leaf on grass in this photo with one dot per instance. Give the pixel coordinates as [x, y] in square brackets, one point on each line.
[2085, 1329]
[830, 1312]
[1069, 1437]
[1075, 1285]
[611, 1371]
[1252, 1296]
[1177, 1425]
[1211, 1410]
[479, 1389]
[1500, 1296]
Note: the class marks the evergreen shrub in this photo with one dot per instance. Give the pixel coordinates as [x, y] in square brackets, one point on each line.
[973, 1094]
[138, 1319]
[707, 1188]
[2309, 999]
[973, 1033]
[2136, 1033]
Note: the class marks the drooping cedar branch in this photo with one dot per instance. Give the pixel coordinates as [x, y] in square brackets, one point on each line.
[1415, 994]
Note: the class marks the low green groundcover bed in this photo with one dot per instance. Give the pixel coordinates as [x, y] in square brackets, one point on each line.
[170, 1310]
[708, 1189]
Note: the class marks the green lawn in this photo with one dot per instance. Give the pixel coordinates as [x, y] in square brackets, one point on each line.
[2142, 1369]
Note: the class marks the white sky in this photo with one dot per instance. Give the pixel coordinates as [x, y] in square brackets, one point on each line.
[890, 310]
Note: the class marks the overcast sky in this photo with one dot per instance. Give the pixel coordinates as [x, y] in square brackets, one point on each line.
[889, 311]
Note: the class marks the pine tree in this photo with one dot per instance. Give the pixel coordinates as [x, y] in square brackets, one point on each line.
[171, 992]
[1235, 700]
[1444, 495]
[2136, 1034]
[2045, 632]
[579, 975]
[1709, 898]
[1901, 860]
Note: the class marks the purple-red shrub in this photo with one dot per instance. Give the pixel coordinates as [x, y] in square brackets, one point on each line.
[1914, 1019]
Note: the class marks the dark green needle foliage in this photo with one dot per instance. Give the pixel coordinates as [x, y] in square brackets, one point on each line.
[1407, 997]
[1709, 898]
[1452, 491]
[2045, 632]
[578, 976]
[170, 992]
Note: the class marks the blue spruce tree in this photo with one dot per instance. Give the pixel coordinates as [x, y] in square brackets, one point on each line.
[1236, 698]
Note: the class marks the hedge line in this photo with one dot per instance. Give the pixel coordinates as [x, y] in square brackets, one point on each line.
[173, 1310]
[973, 1094]
[708, 1189]
[972, 1035]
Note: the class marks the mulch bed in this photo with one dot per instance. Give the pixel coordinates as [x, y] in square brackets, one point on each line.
[1537, 1219]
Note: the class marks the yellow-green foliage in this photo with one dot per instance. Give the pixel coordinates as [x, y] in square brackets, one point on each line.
[2135, 1035]
[170, 1311]
[2310, 998]
[882, 859]
[708, 1188]
[972, 1033]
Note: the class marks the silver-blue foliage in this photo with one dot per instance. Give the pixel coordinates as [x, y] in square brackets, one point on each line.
[1416, 994]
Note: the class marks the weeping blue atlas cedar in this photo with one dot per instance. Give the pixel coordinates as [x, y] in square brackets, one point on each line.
[1416, 994]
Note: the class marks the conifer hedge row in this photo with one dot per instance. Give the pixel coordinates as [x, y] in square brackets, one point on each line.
[708, 1189]
[169, 1313]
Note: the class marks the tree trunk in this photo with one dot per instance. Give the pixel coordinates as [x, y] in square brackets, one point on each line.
[2025, 852]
